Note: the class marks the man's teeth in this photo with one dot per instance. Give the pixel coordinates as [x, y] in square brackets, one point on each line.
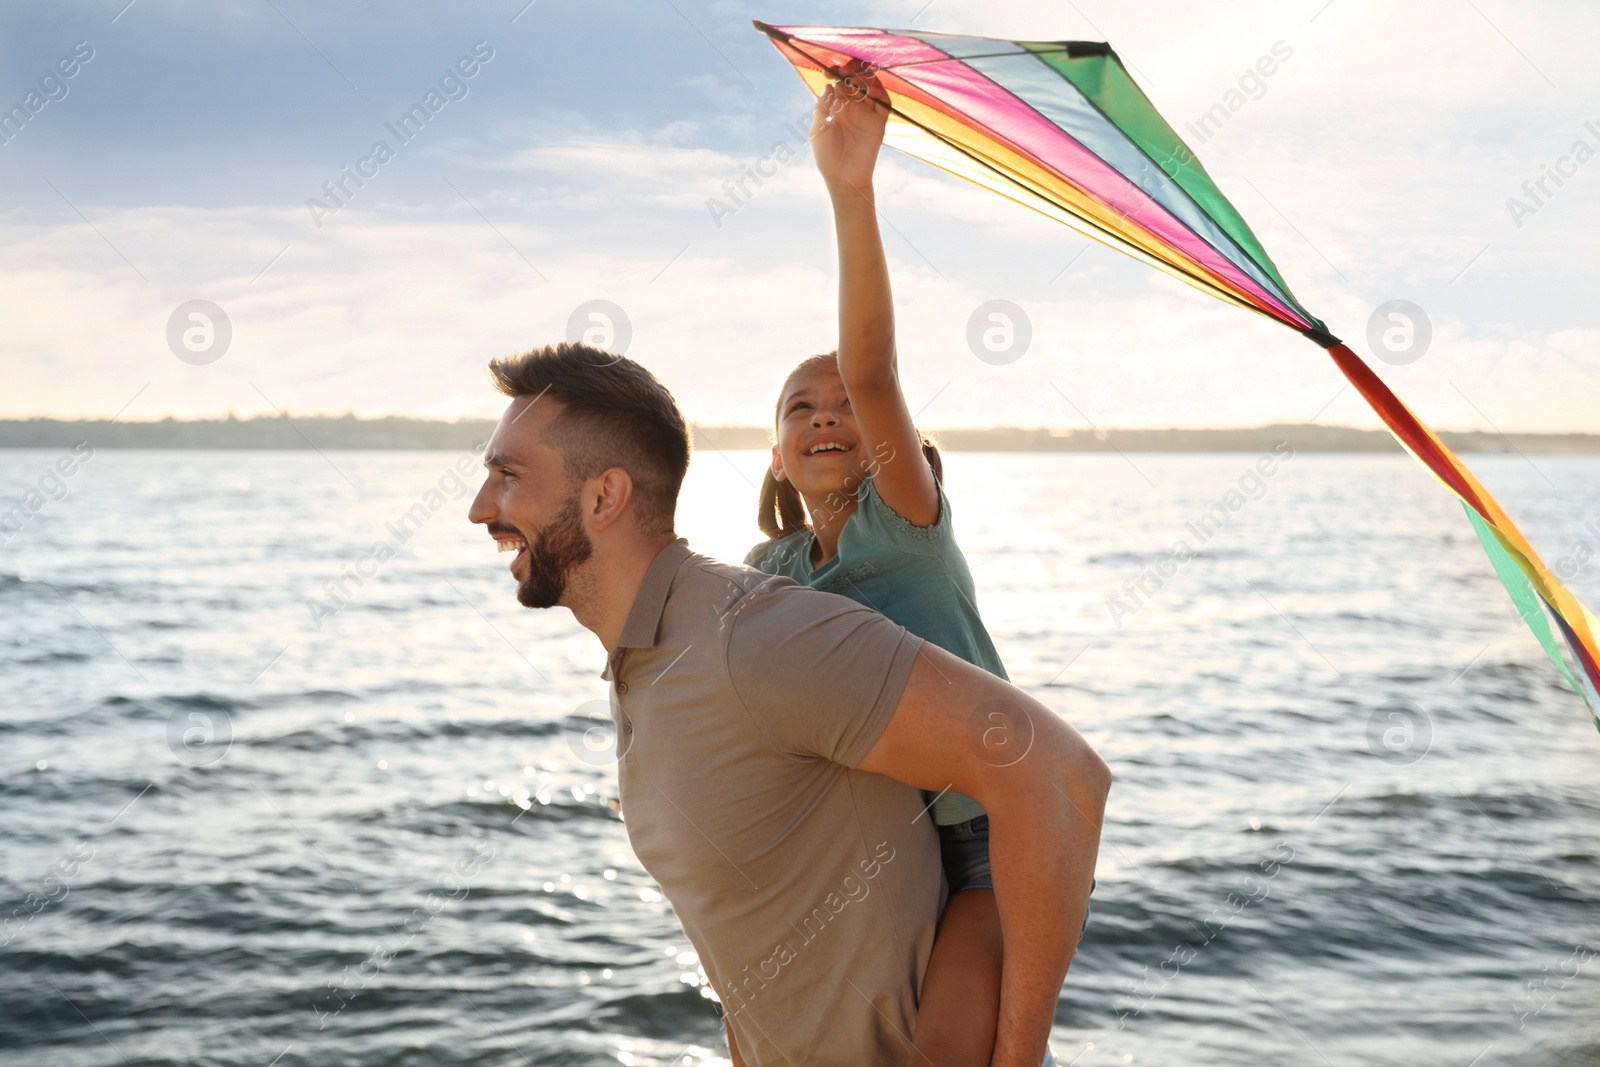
[511, 546]
[827, 448]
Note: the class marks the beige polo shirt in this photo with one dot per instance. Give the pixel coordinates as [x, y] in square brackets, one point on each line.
[809, 889]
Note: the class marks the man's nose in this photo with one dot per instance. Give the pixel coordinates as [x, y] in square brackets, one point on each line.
[824, 416]
[482, 509]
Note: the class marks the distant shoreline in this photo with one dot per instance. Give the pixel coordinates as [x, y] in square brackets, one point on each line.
[409, 434]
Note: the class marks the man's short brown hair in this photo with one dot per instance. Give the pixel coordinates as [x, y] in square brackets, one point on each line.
[616, 414]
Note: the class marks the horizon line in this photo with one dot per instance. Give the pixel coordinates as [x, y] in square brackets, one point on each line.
[1054, 431]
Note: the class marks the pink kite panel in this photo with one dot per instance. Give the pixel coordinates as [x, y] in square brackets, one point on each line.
[995, 109]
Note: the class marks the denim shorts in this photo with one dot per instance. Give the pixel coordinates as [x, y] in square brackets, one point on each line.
[964, 851]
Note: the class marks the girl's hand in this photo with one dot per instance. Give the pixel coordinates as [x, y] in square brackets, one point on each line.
[847, 131]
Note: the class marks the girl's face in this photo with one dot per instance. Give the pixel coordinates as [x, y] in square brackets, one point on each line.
[819, 449]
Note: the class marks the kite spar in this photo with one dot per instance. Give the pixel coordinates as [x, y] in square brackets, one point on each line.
[1060, 127]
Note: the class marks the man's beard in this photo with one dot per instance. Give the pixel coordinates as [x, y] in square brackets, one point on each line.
[561, 547]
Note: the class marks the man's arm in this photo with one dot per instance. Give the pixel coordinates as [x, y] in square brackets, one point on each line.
[959, 727]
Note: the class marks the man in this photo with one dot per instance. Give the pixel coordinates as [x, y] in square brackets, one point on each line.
[773, 741]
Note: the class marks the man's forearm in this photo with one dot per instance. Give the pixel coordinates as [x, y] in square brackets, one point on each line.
[1042, 850]
[958, 726]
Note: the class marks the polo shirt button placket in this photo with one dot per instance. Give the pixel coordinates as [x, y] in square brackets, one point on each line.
[622, 687]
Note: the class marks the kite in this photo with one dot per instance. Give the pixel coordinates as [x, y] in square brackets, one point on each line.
[1060, 127]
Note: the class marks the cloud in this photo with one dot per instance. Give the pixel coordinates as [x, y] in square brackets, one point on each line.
[382, 314]
[1375, 165]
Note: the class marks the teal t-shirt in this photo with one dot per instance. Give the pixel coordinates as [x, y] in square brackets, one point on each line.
[914, 575]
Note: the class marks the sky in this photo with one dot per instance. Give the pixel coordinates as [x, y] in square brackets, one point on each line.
[586, 159]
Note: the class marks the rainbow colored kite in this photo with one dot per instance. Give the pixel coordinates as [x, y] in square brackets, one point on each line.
[1060, 127]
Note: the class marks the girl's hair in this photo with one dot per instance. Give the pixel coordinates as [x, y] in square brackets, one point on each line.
[780, 511]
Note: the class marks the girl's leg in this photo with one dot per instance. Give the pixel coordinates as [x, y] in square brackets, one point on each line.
[960, 1003]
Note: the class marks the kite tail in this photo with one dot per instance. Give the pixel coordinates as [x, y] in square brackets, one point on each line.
[1524, 574]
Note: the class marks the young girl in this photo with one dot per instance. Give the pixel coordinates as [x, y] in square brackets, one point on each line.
[848, 456]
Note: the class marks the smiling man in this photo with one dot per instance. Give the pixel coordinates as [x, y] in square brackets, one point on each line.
[773, 740]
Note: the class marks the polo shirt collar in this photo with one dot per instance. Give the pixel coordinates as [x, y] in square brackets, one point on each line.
[644, 618]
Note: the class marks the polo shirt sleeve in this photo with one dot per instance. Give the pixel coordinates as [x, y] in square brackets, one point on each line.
[819, 674]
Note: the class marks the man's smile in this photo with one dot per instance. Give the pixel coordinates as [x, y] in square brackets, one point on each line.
[506, 541]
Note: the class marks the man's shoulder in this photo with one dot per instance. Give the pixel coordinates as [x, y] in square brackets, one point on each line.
[786, 619]
[708, 592]
[744, 598]
[699, 573]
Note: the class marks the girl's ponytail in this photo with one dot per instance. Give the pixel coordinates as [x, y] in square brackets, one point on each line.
[780, 511]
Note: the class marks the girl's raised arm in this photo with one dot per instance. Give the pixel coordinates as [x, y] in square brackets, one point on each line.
[846, 133]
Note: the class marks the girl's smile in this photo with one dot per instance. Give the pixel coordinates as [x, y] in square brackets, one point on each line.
[819, 445]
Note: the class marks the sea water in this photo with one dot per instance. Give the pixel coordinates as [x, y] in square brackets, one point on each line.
[290, 778]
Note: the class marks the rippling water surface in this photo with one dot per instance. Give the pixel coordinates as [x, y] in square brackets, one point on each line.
[1355, 818]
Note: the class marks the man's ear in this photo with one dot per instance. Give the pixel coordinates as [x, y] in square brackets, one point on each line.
[777, 465]
[606, 498]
